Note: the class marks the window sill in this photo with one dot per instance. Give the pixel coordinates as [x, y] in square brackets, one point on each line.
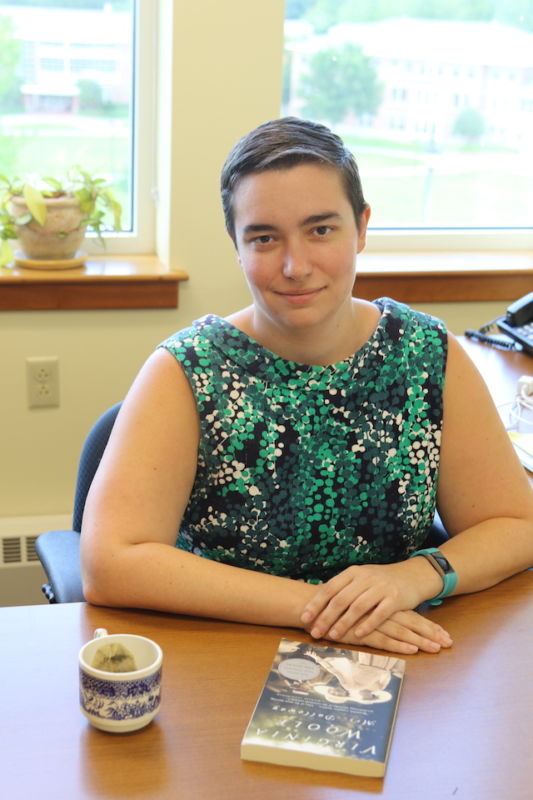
[119, 282]
[444, 277]
[107, 282]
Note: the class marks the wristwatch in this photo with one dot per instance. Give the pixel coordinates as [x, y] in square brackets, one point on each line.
[440, 563]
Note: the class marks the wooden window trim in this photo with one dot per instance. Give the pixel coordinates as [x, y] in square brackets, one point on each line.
[108, 282]
[444, 277]
[118, 282]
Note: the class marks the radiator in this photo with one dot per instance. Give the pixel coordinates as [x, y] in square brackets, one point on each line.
[21, 573]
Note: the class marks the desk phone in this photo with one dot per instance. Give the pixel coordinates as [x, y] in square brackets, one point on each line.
[518, 322]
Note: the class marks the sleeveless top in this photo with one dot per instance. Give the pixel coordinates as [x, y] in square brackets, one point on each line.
[305, 470]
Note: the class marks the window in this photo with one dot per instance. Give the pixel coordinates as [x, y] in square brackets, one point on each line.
[70, 91]
[52, 65]
[436, 107]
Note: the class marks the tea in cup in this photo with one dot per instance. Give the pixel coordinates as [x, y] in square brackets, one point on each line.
[120, 681]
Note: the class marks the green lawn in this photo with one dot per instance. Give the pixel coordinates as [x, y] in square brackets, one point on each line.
[42, 151]
[480, 195]
[481, 199]
[478, 187]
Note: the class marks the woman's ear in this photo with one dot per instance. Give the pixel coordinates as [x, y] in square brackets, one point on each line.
[362, 228]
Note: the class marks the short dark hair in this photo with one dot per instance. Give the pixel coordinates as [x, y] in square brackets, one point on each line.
[284, 143]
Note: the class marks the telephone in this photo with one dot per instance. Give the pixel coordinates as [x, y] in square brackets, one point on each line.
[516, 324]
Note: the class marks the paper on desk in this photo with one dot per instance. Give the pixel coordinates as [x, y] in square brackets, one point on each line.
[523, 444]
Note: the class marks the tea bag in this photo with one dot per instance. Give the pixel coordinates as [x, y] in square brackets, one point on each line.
[114, 657]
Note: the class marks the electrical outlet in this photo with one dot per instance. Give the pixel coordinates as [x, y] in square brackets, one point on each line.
[42, 377]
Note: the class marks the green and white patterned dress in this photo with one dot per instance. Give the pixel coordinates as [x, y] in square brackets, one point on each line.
[304, 470]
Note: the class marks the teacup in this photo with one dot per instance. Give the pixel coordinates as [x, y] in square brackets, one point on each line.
[120, 702]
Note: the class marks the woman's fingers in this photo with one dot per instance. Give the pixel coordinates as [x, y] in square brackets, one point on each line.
[405, 632]
[321, 600]
[364, 614]
[365, 600]
[381, 641]
[342, 601]
[432, 641]
[372, 591]
[422, 627]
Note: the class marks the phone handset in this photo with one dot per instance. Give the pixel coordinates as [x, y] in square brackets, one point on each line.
[517, 324]
[521, 311]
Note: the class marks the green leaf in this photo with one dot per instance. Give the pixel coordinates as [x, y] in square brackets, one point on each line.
[35, 202]
[86, 200]
[55, 184]
[6, 253]
[115, 207]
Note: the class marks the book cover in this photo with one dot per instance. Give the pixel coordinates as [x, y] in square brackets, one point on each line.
[326, 708]
[523, 444]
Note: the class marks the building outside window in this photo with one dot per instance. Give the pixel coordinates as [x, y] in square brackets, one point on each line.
[437, 107]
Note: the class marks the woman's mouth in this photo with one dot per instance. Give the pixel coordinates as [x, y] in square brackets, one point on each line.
[300, 296]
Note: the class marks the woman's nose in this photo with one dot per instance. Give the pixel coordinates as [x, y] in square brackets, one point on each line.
[295, 263]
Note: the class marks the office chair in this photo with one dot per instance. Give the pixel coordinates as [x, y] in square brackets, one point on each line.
[59, 551]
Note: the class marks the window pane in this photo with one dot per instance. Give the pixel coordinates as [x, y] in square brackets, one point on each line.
[66, 90]
[436, 105]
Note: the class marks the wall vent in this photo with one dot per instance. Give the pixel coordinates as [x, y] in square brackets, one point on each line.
[12, 550]
[18, 550]
[21, 573]
[31, 553]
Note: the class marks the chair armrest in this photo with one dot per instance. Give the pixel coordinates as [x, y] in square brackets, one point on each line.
[437, 533]
[59, 553]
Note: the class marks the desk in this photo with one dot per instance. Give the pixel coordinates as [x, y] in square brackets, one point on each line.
[500, 369]
[463, 730]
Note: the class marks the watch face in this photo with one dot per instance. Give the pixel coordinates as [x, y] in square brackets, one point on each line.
[443, 562]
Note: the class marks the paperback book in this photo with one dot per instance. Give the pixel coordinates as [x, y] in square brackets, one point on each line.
[326, 708]
[523, 444]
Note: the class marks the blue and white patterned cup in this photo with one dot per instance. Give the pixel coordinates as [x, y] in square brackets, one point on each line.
[120, 702]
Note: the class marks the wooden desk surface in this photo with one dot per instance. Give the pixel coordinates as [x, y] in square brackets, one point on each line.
[463, 729]
[501, 370]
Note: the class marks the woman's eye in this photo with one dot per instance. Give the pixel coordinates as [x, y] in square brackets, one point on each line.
[265, 238]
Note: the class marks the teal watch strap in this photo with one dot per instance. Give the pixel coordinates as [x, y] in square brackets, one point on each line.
[440, 563]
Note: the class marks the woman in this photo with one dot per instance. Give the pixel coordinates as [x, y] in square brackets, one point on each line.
[298, 448]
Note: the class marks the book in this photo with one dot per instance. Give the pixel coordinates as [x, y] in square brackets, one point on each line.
[523, 444]
[326, 708]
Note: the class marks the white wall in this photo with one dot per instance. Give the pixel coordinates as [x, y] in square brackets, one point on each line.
[221, 76]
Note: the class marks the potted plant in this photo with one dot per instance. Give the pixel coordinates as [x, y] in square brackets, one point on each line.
[49, 217]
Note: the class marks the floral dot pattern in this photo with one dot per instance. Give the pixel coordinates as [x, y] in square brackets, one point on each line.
[305, 470]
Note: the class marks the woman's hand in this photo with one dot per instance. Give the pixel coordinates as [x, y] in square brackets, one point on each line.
[406, 633]
[361, 598]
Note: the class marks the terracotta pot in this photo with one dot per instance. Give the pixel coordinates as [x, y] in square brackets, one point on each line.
[61, 235]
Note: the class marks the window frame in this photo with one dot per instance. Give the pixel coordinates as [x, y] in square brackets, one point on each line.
[453, 240]
[141, 240]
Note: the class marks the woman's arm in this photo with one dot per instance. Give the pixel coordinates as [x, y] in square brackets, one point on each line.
[484, 496]
[134, 509]
[485, 502]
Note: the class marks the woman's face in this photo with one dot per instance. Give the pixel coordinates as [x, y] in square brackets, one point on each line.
[297, 242]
